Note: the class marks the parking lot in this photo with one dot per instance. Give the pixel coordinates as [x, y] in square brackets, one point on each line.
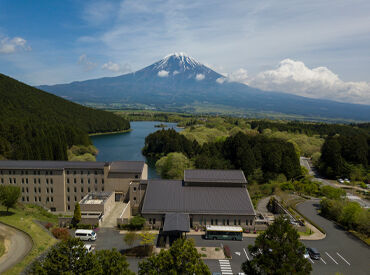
[340, 251]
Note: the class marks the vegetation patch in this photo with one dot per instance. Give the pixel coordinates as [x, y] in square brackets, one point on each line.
[2, 246]
[23, 218]
[82, 153]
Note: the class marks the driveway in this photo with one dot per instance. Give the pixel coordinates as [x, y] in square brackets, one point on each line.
[18, 245]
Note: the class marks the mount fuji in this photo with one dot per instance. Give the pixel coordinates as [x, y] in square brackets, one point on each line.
[180, 82]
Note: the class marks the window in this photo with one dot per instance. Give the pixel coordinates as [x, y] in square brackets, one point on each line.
[239, 222]
[82, 172]
[35, 189]
[10, 180]
[96, 181]
[67, 172]
[14, 180]
[216, 222]
[95, 172]
[67, 180]
[74, 180]
[39, 180]
[26, 172]
[134, 198]
[47, 190]
[51, 181]
[51, 190]
[38, 172]
[82, 181]
[68, 189]
[39, 189]
[39, 199]
[251, 221]
[102, 189]
[75, 189]
[51, 172]
[69, 207]
[47, 199]
[52, 199]
[34, 172]
[150, 221]
[26, 180]
[134, 189]
[22, 172]
[74, 172]
[28, 198]
[34, 181]
[2, 180]
[96, 189]
[82, 189]
[22, 198]
[154, 221]
[88, 189]
[75, 198]
[102, 181]
[46, 173]
[22, 180]
[47, 181]
[68, 198]
[35, 199]
[211, 221]
[234, 222]
[27, 189]
[227, 222]
[88, 181]
[136, 176]
[88, 172]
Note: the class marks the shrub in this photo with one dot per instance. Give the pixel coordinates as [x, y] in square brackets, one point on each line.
[203, 249]
[48, 225]
[217, 249]
[84, 226]
[204, 255]
[136, 223]
[227, 251]
[61, 233]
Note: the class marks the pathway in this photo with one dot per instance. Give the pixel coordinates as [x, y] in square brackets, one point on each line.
[111, 219]
[17, 245]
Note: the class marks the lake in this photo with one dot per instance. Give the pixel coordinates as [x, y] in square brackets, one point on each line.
[127, 146]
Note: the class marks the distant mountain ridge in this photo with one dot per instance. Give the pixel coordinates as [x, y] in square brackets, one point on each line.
[179, 80]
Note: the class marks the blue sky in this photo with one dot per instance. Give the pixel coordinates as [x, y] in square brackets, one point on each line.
[313, 48]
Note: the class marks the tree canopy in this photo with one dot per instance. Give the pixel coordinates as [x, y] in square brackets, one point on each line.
[278, 251]
[181, 258]
[9, 195]
[41, 126]
[70, 257]
[173, 165]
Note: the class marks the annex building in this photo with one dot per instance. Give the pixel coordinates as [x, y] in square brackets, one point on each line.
[204, 197]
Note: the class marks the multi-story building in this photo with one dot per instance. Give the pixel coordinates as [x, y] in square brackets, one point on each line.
[59, 185]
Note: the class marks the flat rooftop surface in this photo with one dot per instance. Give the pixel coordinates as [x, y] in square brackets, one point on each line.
[211, 175]
[127, 166]
[165, 196]
[93, 201]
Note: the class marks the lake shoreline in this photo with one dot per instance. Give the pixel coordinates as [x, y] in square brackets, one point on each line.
[110, 133]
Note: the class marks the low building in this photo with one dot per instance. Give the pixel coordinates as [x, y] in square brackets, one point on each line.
[207, 197]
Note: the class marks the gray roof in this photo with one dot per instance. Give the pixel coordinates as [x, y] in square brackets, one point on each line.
[176, 222]
[211, 175]
[49, 164]
[166, 196]
[126, 166]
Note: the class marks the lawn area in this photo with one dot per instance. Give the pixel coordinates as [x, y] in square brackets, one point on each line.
[22, 217]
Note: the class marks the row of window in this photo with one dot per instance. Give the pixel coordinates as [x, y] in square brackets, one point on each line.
[75, 199]
[226, 222]
[74, 172]
[25, 172]
[25, 181]
[38, 190]
[82, 181]
[82, 189]
[37, 199]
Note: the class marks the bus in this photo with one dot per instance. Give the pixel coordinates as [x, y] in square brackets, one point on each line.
[216, 232]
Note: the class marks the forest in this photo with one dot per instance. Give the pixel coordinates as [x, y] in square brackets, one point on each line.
[258, 156]
[40, 126]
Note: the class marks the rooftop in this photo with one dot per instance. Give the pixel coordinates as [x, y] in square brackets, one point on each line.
[166, 196]
[96, 198]
[126, 166]
[49, 164]
[214, 176]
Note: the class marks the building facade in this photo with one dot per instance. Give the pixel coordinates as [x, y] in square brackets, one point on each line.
[59, 185]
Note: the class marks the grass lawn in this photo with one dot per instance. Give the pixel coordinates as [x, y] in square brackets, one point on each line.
[2, 246]
[308, 232]
[22, 217]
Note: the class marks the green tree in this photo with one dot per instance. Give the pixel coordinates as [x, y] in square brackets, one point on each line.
[112, 262]
[181, 258]
[9, 196]
[278, 251]
[76, 215]
[130, 238]
[173, 165]
[147, 238]
[136, 223]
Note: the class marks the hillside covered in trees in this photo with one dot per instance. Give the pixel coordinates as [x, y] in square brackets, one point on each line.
[41, 126]
[260, 157]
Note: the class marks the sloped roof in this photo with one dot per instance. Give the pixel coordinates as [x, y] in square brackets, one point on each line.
[49, 164]
[176, 222]
[126, 166]
[217, 176]
[166, 196]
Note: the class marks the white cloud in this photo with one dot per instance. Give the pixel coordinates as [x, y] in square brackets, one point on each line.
[175, 72]
[163, 73]
[199, 77]
[110, 66]
[221, 80]
[86, 62]
[97, 12]
[8, 45]
[296, 78]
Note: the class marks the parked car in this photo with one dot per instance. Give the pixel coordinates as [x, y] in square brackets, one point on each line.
[314, 253]
[85, 235]
[89, 248]
[306, 255]
[341, 181]
[347, 181]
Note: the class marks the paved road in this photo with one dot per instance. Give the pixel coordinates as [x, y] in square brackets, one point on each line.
[340, 251]
[307, 163]
[19, 246]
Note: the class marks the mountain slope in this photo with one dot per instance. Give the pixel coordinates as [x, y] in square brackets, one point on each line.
[179, 80]
[38, 125]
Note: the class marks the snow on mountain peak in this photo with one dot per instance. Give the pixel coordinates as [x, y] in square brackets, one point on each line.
[181, 59]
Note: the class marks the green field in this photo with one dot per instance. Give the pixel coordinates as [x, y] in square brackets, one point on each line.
[23, 218]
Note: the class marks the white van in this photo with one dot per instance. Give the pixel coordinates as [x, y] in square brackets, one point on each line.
[85, 235]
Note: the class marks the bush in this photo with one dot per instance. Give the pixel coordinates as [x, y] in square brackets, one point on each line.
[61, 233]
[227, 251]
[203, 249]
[136, 223]
[48, 225]
[84, 226]
[139, 251]
[217, 249]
